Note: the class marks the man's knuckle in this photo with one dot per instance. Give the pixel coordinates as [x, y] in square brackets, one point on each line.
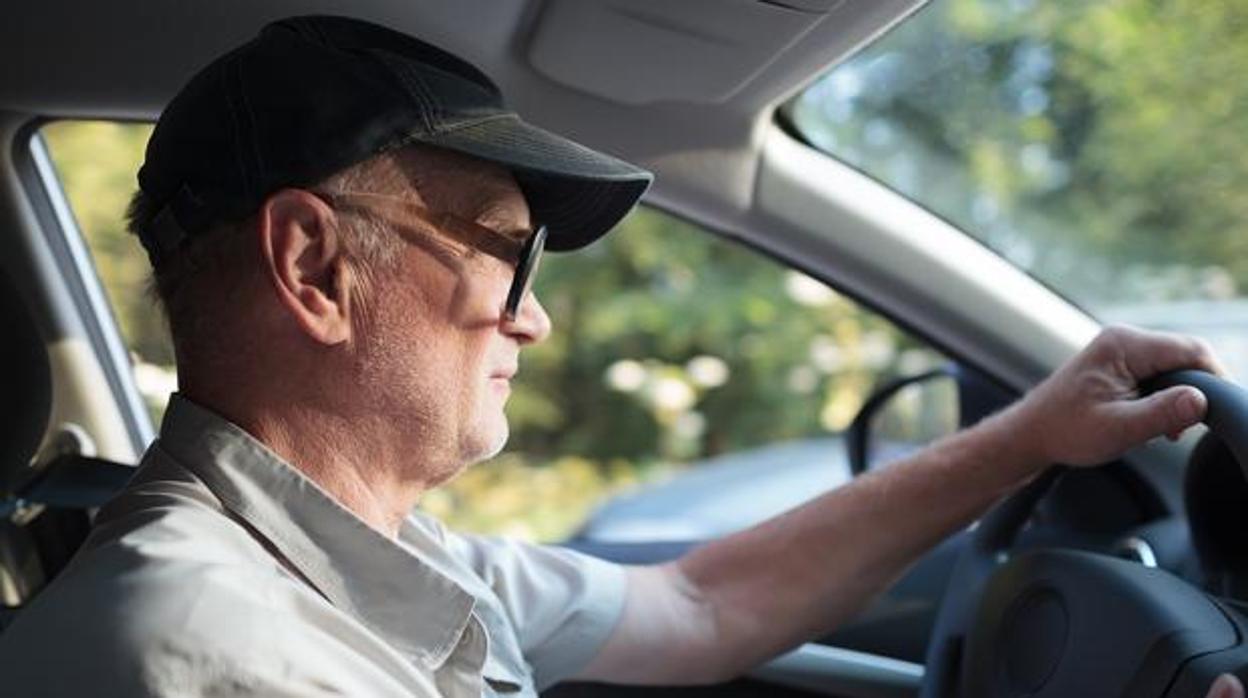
[1201, 347]
[1104, 344]
[1117, 337]
[1113, 332]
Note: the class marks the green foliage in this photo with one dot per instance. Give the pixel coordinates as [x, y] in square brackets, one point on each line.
[659, 293]
[1103, 146]
[97, 162]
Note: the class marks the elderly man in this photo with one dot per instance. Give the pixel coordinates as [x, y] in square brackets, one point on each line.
[343, 224]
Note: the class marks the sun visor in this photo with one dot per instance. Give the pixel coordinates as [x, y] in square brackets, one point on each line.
[646, 51]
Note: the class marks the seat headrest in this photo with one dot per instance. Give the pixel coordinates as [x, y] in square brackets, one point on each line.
[25, 385]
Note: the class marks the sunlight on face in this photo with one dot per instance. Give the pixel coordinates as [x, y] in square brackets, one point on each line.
[440, 353]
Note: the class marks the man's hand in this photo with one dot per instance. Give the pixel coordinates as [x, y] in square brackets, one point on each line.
[1090, 410]
[1227, 686]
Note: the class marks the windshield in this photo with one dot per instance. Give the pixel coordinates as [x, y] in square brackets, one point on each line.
[1101, 146]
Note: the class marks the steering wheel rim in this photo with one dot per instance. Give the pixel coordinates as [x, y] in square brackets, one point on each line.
[988, 543]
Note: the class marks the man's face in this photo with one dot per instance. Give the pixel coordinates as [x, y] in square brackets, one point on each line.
[437, 345]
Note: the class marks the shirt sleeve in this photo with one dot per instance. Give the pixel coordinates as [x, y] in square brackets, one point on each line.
[562, 604]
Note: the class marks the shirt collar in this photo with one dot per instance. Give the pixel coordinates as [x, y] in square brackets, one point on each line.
[418, 610]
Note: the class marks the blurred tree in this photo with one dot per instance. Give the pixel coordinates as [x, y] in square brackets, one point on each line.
[713, 333]
[1103, 146]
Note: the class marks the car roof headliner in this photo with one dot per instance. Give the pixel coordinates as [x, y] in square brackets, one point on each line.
[678, 87]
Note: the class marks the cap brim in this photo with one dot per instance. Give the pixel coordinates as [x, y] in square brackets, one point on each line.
[577, 193]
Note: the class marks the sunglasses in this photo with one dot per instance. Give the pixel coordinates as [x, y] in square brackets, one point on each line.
[523, 249]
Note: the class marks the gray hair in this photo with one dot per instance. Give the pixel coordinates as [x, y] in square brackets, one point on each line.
[210, 273]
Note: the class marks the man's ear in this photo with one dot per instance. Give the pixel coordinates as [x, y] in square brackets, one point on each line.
[301, 250]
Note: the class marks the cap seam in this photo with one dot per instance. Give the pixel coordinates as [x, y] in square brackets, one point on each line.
[317, 33]
[474, 122]
[410, 137]
[413, 92]
[418, 96]
[436, 113]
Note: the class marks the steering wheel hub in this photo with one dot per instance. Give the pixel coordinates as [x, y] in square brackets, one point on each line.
[1046, 627]
[1035, 633]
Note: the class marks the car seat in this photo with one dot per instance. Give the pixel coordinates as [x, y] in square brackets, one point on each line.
[45, 503]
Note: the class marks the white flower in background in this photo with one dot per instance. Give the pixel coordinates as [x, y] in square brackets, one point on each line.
[626, 375]
[1217, 284]
[672, 394]
[877, 349]
[690, 425]
[825, 354]
[707, 371]
[914, 361]
[808, 291]
[156, 383]
[840, 409]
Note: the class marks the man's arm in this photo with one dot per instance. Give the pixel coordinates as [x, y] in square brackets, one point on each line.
[727, 606]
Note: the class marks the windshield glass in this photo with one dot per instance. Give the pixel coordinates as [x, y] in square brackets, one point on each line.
[1101, 146]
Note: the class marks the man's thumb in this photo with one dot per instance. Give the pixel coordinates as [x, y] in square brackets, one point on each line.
[1169, 411]
[1226, 686]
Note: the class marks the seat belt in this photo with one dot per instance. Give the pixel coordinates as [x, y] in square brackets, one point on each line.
[70, 481]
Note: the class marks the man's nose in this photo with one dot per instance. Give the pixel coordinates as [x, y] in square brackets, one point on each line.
[531, 324]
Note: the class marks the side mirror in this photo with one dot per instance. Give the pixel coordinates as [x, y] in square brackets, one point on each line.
[940, 401]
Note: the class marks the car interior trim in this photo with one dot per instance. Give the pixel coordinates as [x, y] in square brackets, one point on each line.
[836, 671]
[65, 240]
[81, 392]
[881, 237]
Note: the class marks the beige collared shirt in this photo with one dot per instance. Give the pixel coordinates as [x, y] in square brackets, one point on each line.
[222, 571]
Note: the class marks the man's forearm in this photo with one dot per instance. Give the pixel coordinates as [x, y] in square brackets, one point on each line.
[798, 576]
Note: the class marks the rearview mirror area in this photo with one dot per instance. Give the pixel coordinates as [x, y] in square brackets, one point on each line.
[907, 413]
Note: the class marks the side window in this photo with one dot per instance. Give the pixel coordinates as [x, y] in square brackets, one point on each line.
[690, 387]
[96, 162]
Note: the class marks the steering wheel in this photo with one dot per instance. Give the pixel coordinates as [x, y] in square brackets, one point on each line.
[1064, 623]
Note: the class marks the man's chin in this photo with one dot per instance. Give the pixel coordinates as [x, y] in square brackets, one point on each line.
[489, 442]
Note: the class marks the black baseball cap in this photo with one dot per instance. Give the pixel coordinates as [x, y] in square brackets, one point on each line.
[313, 95]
